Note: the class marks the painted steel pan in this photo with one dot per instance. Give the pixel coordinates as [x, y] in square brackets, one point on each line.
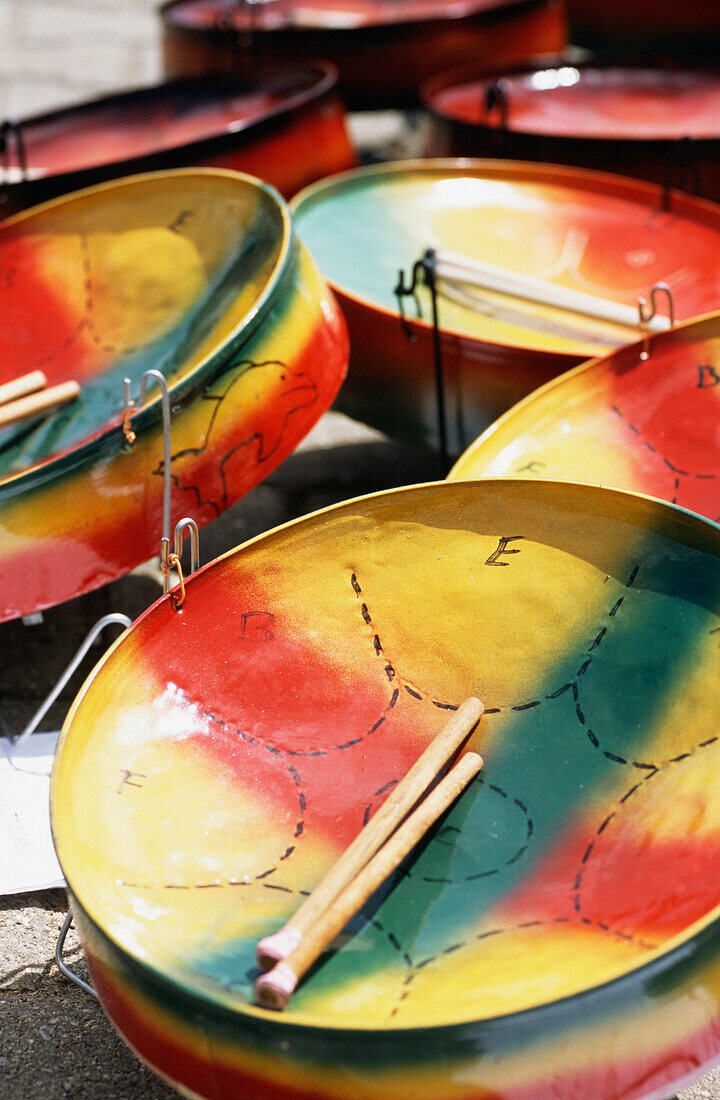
[196, 273]
[656, 124]
[558, 934]
[383, 50]
[589, 231]
[286, 126]
[652, 425]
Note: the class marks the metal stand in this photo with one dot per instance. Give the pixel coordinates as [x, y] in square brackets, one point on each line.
[62, 965]
[424, 270]
[44, 707]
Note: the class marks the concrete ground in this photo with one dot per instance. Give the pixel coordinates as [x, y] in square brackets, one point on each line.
[54, 1041]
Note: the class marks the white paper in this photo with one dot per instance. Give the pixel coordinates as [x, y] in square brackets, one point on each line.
[27, 856]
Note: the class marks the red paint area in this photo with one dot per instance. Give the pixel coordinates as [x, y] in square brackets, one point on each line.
[630, 103]
[624, 879]
[658, 888]
[271, 680]
[108, 132]
[41, 331]
[667, 411]
[623, 248]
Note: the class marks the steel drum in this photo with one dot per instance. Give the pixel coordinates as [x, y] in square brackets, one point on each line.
[557, 934]
[587, 231]
[285, 125]
[689, 30]
[656, 124]
[649, 424]
[383, 50]
[196, 273]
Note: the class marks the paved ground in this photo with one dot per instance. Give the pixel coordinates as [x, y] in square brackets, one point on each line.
[54, 1041]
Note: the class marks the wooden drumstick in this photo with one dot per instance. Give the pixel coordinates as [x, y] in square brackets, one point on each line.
[22, 386]
[464, 269]
[36, 403]
[274, 988]
[397, 805]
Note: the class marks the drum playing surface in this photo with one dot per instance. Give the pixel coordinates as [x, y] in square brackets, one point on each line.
[570, 228]
[646, 424]
[220, 759]
[593, 102]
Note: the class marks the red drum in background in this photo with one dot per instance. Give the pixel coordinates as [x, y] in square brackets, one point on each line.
[656, 124]
[284, 125]
[667, 28]
[384, 51]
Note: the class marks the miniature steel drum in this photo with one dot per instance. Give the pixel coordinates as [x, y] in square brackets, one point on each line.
[653, 124]
[286, 126]
[197, 274]
[591, 232]
[650, 424]
[558, 932]
[383, 51]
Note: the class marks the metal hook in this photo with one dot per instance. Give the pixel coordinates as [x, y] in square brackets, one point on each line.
[404, 290]
[62, 965]
[496, 99]
[646, 314]
[181, 528]
[107, 620]
[169, 561]
[130, 407]
[426, 265]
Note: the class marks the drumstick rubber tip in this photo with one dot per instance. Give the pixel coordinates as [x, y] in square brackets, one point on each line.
[279, 945]
[274, 989]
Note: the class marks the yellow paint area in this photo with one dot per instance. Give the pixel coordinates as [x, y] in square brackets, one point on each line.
[450, 623]
[559, 432]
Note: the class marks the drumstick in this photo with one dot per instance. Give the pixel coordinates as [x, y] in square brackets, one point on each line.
[274, 989]
[37, 403]
[464, 269]
[396, 806]
[22, 386]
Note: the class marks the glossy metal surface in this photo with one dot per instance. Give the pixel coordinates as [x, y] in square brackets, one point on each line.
[665, 29]
[285, 126]
[652, 425]
[383, 50]
[654, 124]
[591, 232]
[198, 274]
[557, 935]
